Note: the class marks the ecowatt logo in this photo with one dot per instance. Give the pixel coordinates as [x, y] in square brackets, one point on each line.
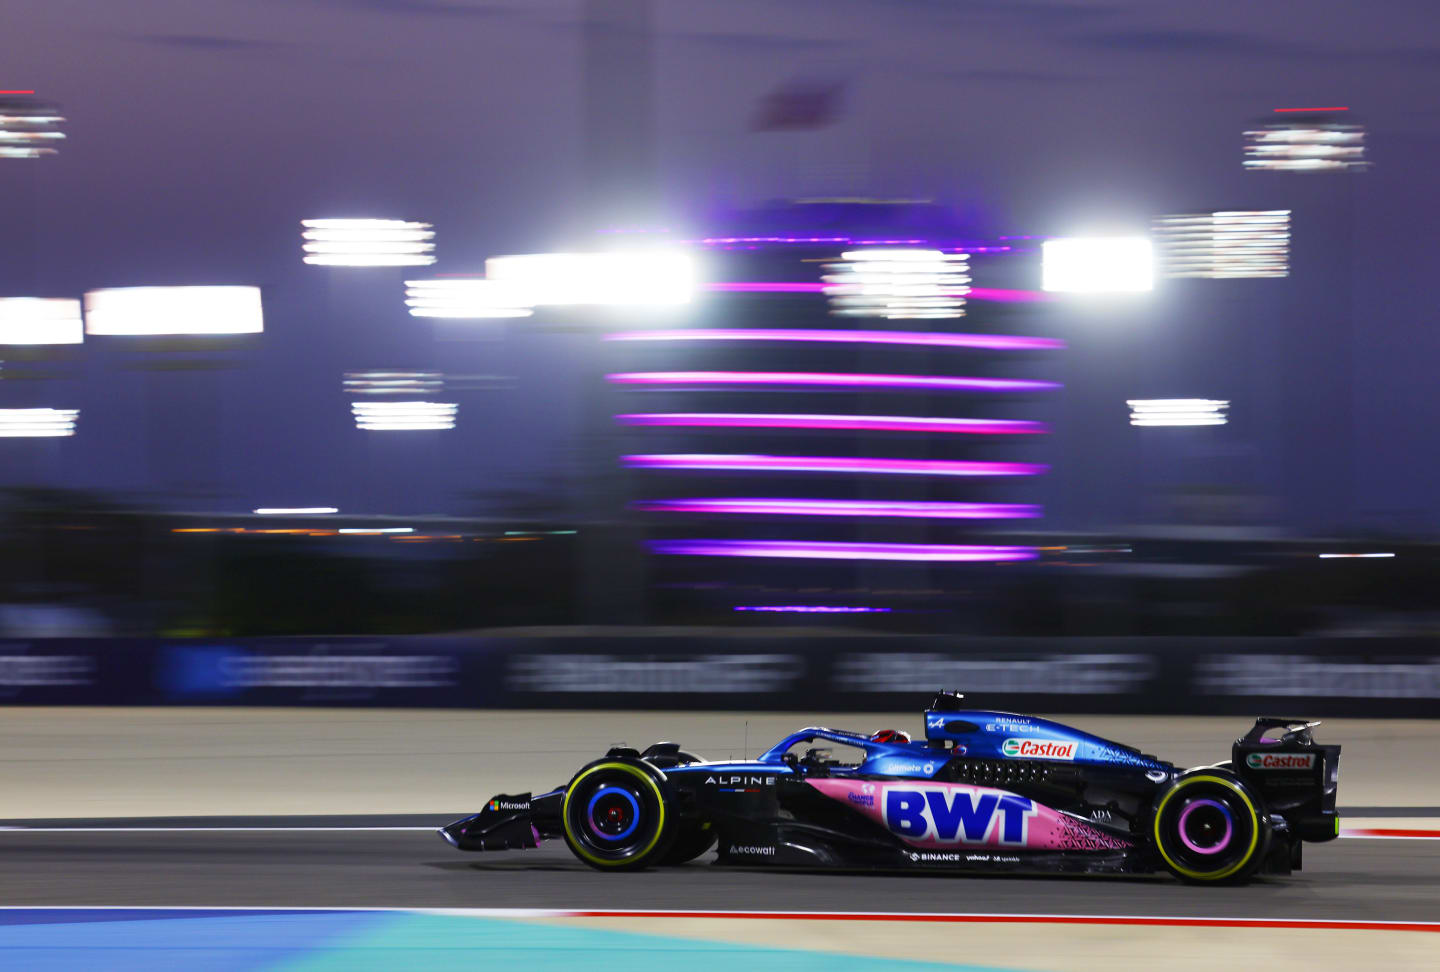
[1280, 761]
[1038, 749]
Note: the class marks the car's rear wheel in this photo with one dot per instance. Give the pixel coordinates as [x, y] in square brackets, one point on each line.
[1208, 829]
[615, 816]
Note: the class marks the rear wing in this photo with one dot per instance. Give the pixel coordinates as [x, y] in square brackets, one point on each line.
[1295, 776]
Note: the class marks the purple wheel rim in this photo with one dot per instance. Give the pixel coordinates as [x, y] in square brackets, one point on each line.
[1190, 843]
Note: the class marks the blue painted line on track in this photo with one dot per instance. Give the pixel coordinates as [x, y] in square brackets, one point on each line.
[321, 941]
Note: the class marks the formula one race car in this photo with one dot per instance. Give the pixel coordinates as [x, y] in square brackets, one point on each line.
[983, 791]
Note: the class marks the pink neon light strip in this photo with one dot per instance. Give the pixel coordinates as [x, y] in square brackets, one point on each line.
[833, 464]
[987, 342]
[866, 423]
[826, 379]
[805, 550]
[997, 294]
[811, 507]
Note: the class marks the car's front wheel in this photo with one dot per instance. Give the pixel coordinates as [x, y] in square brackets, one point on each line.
[615, 815]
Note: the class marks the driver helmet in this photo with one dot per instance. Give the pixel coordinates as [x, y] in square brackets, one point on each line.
[889, 736]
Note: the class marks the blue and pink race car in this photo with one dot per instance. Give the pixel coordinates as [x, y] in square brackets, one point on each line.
[983, 791]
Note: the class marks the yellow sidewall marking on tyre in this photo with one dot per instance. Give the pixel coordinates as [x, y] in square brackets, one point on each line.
[639, 774]
[1254, 829]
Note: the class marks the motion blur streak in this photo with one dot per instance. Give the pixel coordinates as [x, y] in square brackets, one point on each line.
[1313, 144]
[619, 279]
[40, 320]
[367, 242]
[869, 423]
[1097, 265]
[987, 342]
[404, 416]
[997, 294]
[392, 382]
[28, 128]
[1225, 244]
[174, 310]
[32, 423]
[1160, 412]
[898, 284]
[806, 507]
[294, 510]
[473, 299]
[835, 464]
[811, 609]
[927, 382]
[916, 552]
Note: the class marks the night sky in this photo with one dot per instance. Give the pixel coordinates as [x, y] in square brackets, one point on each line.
[202, 131]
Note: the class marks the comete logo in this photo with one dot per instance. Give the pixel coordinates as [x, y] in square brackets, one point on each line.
[1280, 761]
[1038, 749]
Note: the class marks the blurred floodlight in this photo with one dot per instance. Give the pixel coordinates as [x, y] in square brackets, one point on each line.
[28, 129]
[1305, 143]
[368, 243]
[1225, 244]
[371, 531]
[1163, 412]
[403, 416]
[1349, 556]
[471, 299]
[1097, 265]
[898, 284]
[37, 423]
[40, 320]
[174, 310]
[411, 383]
[295, 510]
[618, 279]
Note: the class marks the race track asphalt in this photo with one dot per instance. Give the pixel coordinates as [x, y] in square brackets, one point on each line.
[1350, 878]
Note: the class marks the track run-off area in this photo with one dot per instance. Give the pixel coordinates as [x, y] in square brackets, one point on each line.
[346, 871]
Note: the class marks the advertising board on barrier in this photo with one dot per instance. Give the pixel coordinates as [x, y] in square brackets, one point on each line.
[1245, 677]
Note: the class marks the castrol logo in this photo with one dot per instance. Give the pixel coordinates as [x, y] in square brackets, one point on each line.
[1280, 761]
[1038, 749]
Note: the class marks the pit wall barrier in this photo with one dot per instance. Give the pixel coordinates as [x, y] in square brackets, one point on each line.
[1362, 677]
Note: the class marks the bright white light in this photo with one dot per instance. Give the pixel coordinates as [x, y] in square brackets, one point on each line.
[1363, 556]
[374, 530]
[898, 284]
[1225, 244]
[40, 320]
[367, 243]
[294, 510]
[1166, 412]
[468, 298]
[34, 423]
[411, 383]
[616, 279]
[174, 310]
[403, 416]
[1097, 265]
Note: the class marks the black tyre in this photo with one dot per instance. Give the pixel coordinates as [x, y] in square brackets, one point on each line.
[1208, 829]
[615, 816]
[689, 844]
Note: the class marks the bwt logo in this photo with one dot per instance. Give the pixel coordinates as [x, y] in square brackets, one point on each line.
[955, 815]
